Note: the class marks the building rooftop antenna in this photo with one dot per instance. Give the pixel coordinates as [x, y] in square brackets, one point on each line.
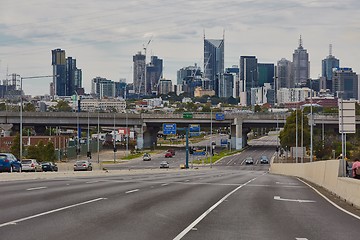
[300, 42]
[330, 49]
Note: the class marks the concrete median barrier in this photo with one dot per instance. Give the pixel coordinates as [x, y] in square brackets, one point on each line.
[324, 174]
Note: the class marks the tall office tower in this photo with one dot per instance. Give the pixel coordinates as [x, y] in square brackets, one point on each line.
[301, 65]
[102, 87]
[235, 71]
[226, 85]
[154, 72]
[213, 61]
[189, 78]
[248, 75]
[73, 77]
[328, 64]
[121, 88]
[67, 77]
[345, 81]
[59, 71]
[139, 73]
[284, 74]
[165, 86]
[266, 73]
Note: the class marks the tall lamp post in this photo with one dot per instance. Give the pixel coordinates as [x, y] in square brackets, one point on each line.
[311, 123]
[21, 110]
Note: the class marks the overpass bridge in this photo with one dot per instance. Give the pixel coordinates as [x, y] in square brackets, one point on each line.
[148, 125]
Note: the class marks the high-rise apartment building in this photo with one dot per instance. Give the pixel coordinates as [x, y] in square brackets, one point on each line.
[345, 83]
[301, 65]
[213, 61]
[103, 88]
[67, 78]
[165, 86]
[189, 78]
[226, 85]
[154, 72]
[139, 73]
[328, 64]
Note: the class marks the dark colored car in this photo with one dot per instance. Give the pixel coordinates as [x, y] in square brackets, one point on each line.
[9, 163]
[49, 167]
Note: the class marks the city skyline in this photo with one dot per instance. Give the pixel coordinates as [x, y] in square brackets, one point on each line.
[103, 36]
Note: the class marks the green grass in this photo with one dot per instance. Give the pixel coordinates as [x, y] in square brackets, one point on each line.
[216, 157]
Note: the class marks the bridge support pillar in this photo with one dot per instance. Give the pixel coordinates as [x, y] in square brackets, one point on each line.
[146, 137]
[238, 134]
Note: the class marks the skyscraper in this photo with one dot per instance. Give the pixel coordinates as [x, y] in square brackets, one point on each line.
[248, 75]
[59, 71]
[266, 73]
[345, 82]
[67, 77]
[139, 73]
[284, 74]
[213, 60]
[154, 72]
[301, 65]
[328, 64]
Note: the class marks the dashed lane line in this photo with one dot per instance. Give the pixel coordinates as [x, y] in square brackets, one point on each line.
[35, 188]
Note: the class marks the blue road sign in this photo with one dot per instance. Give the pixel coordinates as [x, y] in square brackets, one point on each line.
[199, 153]
[223, 141]
[219, 117]
[194, 128]
[169, 128]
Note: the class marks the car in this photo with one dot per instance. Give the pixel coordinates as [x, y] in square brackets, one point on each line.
[30, 165]
[82, 165]
[49, 167]
[164, 164]
[9, 163]
[264, 160]
[172, 151]
[168, 155]
[249, 160]
[146, 157]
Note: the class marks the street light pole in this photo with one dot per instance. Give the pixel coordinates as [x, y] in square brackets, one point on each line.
[127, 135]
[114, 141]
[98, 138]
[211, 145]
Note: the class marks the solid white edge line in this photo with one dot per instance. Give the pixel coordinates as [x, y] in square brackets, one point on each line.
[35, 188]
[331, 202]
[49, 212]
[202, 216]
[131, 191]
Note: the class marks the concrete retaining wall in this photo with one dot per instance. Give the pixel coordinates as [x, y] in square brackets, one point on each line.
[325, 174]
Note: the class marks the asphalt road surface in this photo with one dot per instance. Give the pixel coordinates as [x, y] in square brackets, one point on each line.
[217, 203]
[228, 201]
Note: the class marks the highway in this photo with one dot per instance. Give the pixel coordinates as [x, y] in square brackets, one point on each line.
[229, 201]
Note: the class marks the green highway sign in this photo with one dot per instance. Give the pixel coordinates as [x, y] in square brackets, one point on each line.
[187, 115]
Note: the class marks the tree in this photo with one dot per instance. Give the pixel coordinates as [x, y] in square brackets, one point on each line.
[288, 134]
[62, 106]
[2, 106]
[257, 108]
[15, 147]
[29, 107]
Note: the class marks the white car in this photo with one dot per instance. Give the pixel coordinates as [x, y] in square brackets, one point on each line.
[83, 165]
[31, 165]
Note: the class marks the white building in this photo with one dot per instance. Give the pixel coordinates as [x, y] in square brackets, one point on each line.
[107, 105]
[287, 95]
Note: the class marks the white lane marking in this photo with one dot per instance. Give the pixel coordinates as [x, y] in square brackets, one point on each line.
[132, 191]
[92, 182]
[35, 188]
[165, 184]
[301, 238]
[331, 202]
[202, 216]
[49, 212]
[286, 183]
[293, 200]
[187, 180]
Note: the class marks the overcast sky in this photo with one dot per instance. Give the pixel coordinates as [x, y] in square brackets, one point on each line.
[103, 35]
